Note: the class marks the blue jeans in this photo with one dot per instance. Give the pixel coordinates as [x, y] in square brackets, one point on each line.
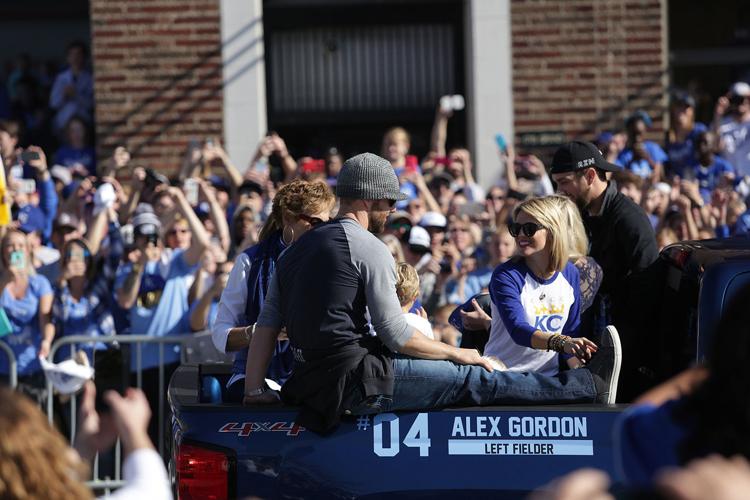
[425, 384]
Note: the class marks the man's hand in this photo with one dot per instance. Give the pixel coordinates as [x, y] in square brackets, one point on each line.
[722, 105]
[131, 415]
[470, 357]
[268, 397]
[714, 477]
[95, 434]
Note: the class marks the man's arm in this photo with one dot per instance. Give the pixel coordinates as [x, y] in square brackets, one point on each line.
[200, 239]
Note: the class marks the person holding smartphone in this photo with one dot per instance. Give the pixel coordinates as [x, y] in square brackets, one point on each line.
[26, 300]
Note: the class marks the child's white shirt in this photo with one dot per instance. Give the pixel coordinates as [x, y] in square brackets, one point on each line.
[420, 324]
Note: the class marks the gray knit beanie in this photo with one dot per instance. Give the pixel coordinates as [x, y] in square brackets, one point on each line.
[368, 177]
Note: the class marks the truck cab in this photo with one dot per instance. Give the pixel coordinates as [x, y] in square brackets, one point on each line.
[221, 450]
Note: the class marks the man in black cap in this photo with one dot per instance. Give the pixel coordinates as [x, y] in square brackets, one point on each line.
[621, 238]
[323, 290]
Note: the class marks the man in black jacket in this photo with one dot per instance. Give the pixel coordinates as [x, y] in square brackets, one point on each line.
[621, 240]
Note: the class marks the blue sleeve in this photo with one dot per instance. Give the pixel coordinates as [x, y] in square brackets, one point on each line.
[122, 272]
[505, 291]
[41, 285]
[571, 327]
[178, 266]
[723, 166]
[656, 152]
[48, 204]
[722, 231]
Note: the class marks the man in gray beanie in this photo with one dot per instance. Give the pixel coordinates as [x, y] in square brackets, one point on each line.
[334, 282]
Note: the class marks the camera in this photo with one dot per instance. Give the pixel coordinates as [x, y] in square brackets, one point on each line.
[154, 179]
[452, 103]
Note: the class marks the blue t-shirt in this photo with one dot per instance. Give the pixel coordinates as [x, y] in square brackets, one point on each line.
[161, 308]
[735, 140]
[88, 316]
[648, 438]
[26, 336]
[708, 177]
[681, 154]
[523, 303]
[641, 168]
[408, 188]
[69, 156]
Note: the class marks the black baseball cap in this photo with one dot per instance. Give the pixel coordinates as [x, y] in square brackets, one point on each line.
[578, 155]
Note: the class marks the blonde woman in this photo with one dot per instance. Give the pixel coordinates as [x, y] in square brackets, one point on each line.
[26, 302]
[536, 297]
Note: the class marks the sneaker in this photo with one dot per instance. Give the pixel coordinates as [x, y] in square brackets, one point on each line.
[605, 366]
[496, 363]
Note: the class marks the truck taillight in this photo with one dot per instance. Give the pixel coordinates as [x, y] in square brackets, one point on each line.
[202, 473]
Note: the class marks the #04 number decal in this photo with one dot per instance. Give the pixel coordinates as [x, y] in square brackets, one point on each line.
[417, 437]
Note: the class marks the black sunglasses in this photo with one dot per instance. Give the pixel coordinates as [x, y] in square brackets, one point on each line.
[313, 221]
[528, 228]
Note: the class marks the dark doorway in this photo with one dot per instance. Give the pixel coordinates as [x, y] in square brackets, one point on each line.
[342, 73]
[709, 46]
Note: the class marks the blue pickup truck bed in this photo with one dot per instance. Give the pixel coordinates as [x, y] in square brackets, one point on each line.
[489, 449]
[226, 451]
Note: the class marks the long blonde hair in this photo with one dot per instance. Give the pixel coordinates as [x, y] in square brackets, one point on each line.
[35, 460]
[566, 236]
[27, 251]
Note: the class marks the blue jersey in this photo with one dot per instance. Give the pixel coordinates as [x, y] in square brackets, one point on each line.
[523, 303]
[641, 168]
[681, 154]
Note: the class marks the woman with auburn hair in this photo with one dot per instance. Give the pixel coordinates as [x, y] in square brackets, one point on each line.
[297, 208]
[35, 460]
[536, 297]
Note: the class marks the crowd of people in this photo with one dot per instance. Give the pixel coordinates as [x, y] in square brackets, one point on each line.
[511, 286]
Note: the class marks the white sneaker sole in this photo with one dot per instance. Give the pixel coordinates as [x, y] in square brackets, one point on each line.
[617, 348]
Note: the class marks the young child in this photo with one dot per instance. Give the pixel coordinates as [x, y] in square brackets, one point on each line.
[407, 289]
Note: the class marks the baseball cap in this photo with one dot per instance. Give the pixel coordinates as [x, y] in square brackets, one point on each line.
[399, 215]
[250, 187]
[433, 219]
[577, 155]
[61, 173]
[639, 115]
[146, 224]
[66, 220]
[218, 182]
[682, 97]
[31, 219]
[741, 89]
[419, 237]
[368, 177]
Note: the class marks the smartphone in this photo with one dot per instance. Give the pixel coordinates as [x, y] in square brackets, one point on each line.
[471, 209]
[17, 260]
[191, 191]
[26, 186]
[28, 156]
[516, 195]
[412, 163]
[500, 141]
[16, 172]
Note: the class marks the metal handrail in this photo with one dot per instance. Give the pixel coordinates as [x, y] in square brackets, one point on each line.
[12, 364]
[107, 483]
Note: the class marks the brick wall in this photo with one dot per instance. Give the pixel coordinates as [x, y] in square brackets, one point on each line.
[582, 66]
[157, 70]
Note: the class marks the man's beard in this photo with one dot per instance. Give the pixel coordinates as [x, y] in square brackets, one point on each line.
[376, 221]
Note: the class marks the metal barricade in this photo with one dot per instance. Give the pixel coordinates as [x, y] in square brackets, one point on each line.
[12, 364]
[136, 342]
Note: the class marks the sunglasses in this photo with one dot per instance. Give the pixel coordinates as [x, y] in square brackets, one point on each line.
[529, 229]
[173, 232]
[313, 221]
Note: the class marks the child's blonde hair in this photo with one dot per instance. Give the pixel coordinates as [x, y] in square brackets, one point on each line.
[407, 283]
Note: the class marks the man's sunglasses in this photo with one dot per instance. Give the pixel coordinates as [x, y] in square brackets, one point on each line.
[528, 229]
